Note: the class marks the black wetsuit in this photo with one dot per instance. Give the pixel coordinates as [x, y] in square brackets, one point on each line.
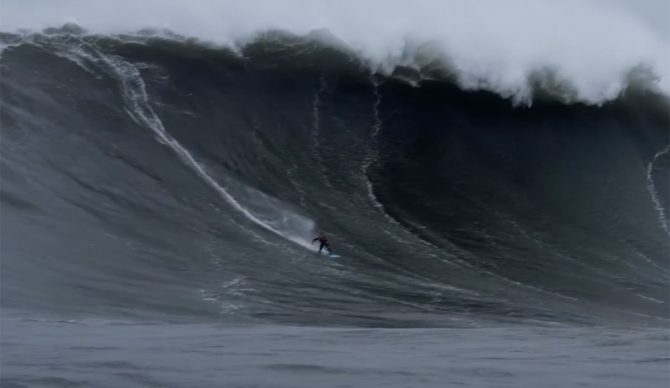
[324, 243]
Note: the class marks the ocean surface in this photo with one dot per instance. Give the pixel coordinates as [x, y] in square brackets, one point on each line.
[159, 194]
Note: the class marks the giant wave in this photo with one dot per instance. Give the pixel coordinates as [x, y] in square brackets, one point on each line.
[160, 175]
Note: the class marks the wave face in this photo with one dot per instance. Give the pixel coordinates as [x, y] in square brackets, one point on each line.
[159, 177]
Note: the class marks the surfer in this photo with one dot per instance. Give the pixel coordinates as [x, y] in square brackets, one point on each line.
[321, 238]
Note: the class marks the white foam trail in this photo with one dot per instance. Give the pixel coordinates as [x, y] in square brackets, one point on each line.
[316, 128]
[649, 298]
[590, 46]
[652, 190]
[138, 107]
[372, 157]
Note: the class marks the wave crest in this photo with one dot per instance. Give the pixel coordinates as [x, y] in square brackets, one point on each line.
[321, 51]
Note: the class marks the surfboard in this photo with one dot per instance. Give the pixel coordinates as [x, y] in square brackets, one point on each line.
[329, 254]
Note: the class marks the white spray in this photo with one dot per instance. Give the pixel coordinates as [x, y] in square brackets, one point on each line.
[590, 46]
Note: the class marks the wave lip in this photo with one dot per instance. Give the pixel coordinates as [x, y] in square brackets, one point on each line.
[593, 50]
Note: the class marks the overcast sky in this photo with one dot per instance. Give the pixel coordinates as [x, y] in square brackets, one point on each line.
[37, 13]
[654, 12]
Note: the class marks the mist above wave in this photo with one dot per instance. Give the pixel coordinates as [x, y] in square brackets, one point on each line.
[593, 50]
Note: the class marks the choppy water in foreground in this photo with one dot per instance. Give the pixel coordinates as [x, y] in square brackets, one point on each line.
[121, 354]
